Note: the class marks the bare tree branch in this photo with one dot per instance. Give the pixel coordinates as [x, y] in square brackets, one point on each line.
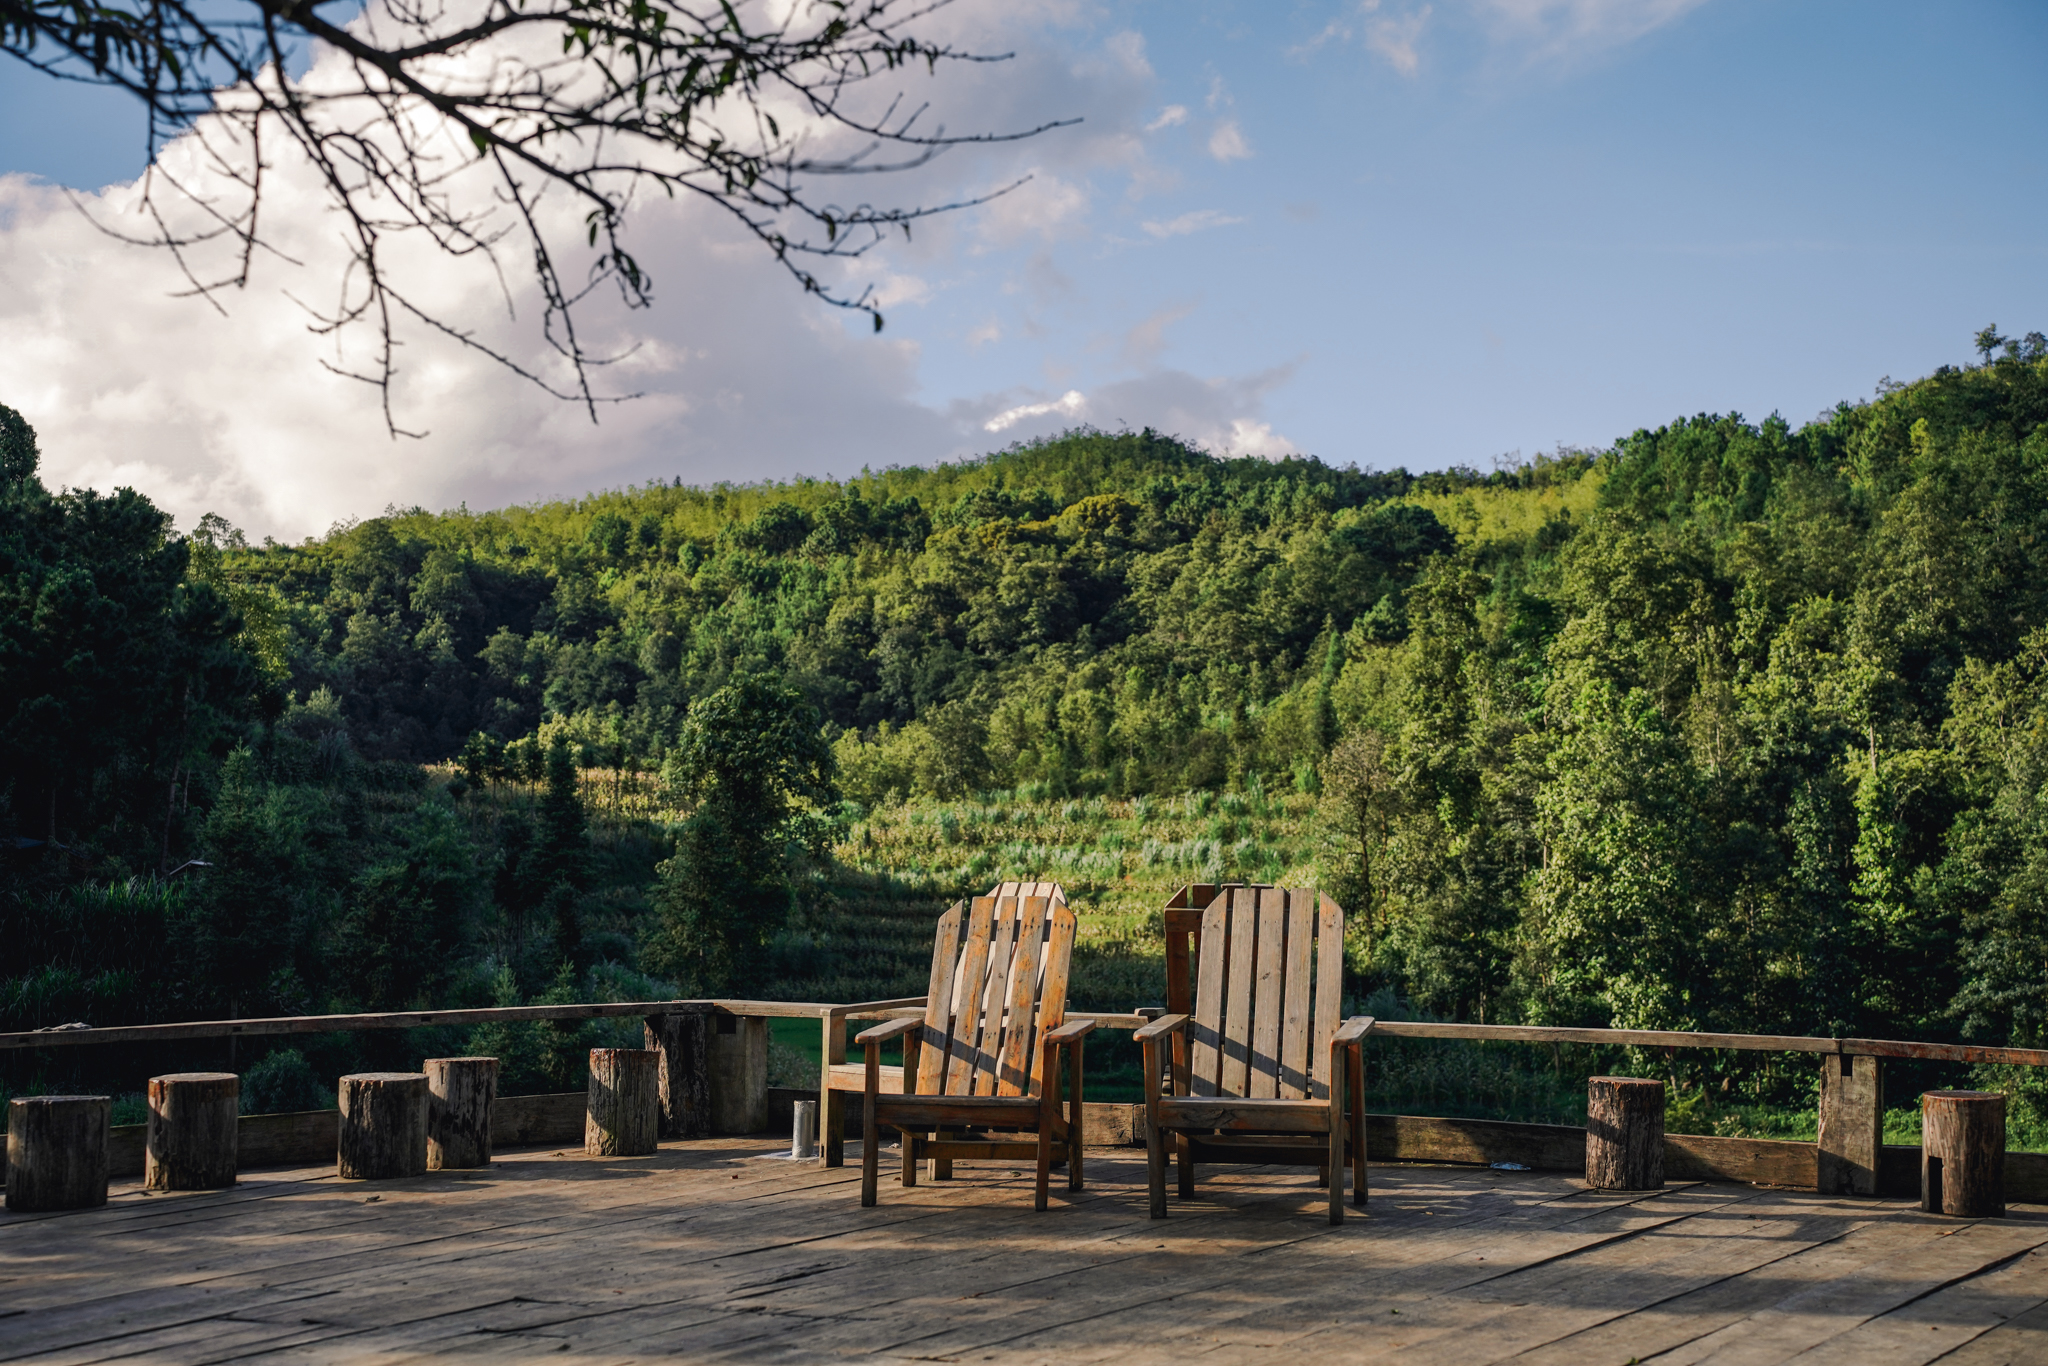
[596, 100]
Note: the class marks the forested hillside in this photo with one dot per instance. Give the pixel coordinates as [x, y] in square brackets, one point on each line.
[1733, 725]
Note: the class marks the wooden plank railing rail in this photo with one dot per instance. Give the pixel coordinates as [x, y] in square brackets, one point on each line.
[1675, 1038]
[1849, 1158]
[62, 1036]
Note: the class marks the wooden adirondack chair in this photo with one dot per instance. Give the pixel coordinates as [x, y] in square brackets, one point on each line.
[1261, 1070]
[837, 1077]
[983, 1061]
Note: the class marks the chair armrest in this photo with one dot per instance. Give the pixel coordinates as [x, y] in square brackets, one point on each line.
[1165, 1024]
[1073, 1031]
[882, 1033]
[861, 1007]
[1352, 1032]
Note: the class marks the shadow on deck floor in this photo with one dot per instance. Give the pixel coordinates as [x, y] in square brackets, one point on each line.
[707, 1252]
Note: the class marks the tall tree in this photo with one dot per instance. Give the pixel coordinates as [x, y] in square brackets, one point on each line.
[752, 762]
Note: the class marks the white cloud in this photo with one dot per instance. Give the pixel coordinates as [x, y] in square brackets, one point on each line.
[1046, 207]
[1228, 142]
[1143, 343]
[1247, 437]
[1129, 50]
[1336, 31]
[1394, 38]
[1172, 116]
[1564, 30]
[743, 376]
[1070, 404]
[1189, 222]
[1560, 31]
[892, 290]
[1221, 415]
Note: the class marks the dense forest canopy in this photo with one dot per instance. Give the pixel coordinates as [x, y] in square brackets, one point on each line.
[1733, 725]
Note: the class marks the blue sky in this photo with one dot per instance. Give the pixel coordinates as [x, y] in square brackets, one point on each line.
[1388, 233]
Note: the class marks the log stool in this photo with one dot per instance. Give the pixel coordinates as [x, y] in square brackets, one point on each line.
[1962, 1153]
[623, 1114]
[57, 1152]
[1624, 1134]
[460, 1092]
[383, 1126]
[194, 1130]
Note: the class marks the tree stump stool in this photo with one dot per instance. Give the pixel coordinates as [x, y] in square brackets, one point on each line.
[383, 1126]
[460, 1092]
[194, 1131]
[1962, 1153]
[623, 1114]
[57, 1152]
[1624, 1134]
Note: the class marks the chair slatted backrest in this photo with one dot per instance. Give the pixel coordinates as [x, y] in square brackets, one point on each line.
[1269, 982]
[998, 983]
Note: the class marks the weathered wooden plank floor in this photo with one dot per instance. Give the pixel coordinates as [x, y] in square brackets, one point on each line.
[704, 1252]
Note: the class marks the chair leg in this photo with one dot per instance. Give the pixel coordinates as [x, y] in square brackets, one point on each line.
[1155, 1170]
[870, 1153]
[1358, 1177]
[1074, 1126]
[909, 1157]
[1184, 1149]
[1334, 1163]
[1044, 1165]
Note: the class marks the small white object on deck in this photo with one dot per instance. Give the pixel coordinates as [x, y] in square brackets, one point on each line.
[803, 1134]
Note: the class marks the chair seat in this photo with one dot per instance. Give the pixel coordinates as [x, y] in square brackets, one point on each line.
[1236, 1113]
[940, 1112]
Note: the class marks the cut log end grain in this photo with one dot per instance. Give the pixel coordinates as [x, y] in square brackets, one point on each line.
[383, 1130]
[57, 1152]
[193, 1136]
[1624, 1134]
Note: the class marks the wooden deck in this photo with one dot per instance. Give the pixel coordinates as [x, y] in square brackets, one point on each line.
[708, 1252]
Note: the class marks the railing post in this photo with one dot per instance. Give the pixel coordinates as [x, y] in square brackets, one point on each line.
[831, 1111]
[739, 1074]
[682, 1040]
[1851, 1124]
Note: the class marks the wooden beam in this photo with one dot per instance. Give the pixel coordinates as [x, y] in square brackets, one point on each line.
[416, 1019]
[1755, 1043]
[328, 1024]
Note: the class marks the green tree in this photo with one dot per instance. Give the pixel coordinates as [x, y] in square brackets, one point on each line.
[752, 762]
[243, 922]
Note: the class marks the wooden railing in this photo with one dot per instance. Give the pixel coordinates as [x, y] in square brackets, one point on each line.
[1849, 1158]
[63, 1036]
[1678, 1038]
